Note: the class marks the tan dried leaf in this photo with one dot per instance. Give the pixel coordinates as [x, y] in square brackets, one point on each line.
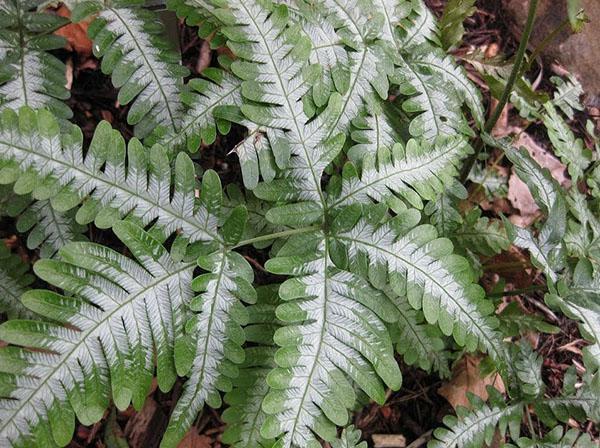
[466, 377]
[75, 33]
[518, 193]
[194, 440]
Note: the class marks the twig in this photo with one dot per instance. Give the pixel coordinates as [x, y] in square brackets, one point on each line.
[518, 292]
[422, 440]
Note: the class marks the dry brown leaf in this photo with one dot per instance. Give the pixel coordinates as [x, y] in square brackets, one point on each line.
[194, 440]
[69, 73]
[466, 377]
[145, 427]
[75, 33]
[533, 337]
[205, 57]
[501, 127]
[518, 193]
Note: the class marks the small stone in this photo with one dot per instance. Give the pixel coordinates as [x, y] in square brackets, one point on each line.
[578, 52]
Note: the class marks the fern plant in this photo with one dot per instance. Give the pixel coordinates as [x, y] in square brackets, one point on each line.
[354, 127]
[30, 75]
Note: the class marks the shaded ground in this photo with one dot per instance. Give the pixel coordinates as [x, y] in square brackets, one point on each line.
[413, 411]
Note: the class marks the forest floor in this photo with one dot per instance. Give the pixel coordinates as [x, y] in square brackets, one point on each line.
[409, 415]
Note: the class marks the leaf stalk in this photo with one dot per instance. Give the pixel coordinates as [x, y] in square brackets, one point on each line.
[272, 236]
[514, 74]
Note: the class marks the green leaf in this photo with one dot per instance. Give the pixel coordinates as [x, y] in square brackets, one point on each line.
[30, 75]
[422, 267]
[572, 151]
[235, 225]
[218, 339]
[451, 23]
[299, 214]
[142, 65]
[129, 184]
[476, 428]
[577, 16]
[101, 343]
[353, 344]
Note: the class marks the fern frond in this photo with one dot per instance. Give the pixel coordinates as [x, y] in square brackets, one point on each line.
[426, 74]
[360, 26]
[418, 343]
[417, 26]
[213, 349]
[455, 76]
[515, 322]
[256, 159]
[350, 438]
[583, 232]
[567, 95]
[476, 428]
[443, 212]
[335, 331]
[573, 438]
[49, 230]
[116, 182]
[200, 13]
[381, 44]
[481, 234]
[327, 51]
[272, 69]
[257, 224]
[572, 151]
[422, 267]
[203, 97]
[101, 341]
[493, 182]
[547, 250]
[143, 67]
[437, 112]
[580, 301]
[245, 415]
[362, 65]
[14, 281]
[576, 401]
[451, 22]
[528, 366]
[412, 172]
[372, 132]
[541, 184]
[29, 75]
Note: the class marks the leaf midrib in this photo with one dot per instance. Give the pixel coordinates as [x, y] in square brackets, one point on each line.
[482, 334]
[298, 131]
[396, 172]
[87, 333]
[87, 176]
[150, 67]
[321, 341]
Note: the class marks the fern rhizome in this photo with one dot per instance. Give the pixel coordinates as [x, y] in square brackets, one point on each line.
[356, 125]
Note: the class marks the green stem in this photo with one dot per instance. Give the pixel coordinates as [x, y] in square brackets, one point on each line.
[517, 292]
[530, 423]
[272, 236]
[543, 44]
[514, 74]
